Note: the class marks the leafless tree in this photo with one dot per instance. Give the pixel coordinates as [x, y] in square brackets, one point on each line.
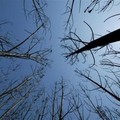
[19, 94]
[65, 102]
[93, 5]
[102, 76]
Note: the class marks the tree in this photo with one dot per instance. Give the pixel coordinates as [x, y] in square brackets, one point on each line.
[100, 42]
[18, 95]
[97, 94]
[103, 75]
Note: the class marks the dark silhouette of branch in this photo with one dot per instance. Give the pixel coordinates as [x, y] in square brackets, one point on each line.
[100, 42]
[98, 85]
[18, 45]
[70, 6]
[15, 88]
[70, 11]
[109, 63]
[92, 6]
[96, 3]
[112, 17]
[37, 11]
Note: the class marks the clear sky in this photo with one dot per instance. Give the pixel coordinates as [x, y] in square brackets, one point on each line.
[13, 12]
[55, 10]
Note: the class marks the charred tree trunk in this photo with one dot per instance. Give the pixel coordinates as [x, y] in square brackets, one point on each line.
[102, 41]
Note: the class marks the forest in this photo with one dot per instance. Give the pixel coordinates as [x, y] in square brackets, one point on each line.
[59, 60]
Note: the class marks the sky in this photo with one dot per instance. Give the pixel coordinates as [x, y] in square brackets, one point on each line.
[55, 11]
[59, 66]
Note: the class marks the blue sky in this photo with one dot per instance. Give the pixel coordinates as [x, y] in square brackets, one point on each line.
[13, 12]
[55, 12]
[95, 20]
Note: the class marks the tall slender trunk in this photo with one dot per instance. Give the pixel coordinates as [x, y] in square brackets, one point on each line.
[102, 41]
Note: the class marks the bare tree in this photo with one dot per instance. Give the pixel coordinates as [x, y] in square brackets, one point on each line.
[20, 95]
[65, 102]
[100, 42]
[103, 76]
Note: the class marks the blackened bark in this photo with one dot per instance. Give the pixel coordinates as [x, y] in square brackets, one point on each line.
[102, 41]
